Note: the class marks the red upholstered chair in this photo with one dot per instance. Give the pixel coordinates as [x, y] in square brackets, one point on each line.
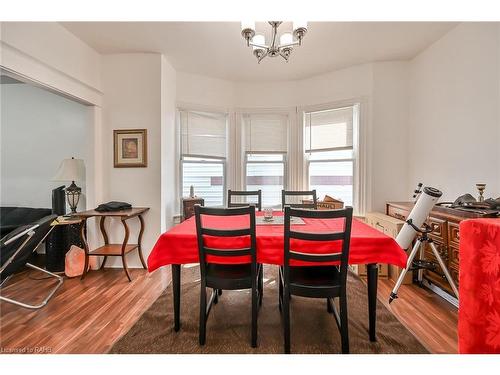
[227, 276]
[318, 280]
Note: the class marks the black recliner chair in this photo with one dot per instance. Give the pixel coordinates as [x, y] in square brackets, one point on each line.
[15, 250]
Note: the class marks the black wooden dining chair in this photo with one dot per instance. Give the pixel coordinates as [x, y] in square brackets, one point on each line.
[228, 276]
[256, 193]
[307, 193]
[319, 280]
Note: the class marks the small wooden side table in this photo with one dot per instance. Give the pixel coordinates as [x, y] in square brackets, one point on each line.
[188, 206]
[114, 249]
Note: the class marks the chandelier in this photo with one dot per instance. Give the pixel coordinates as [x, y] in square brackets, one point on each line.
[287, 41]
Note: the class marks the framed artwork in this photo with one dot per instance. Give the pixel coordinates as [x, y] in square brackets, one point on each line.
[130, 148]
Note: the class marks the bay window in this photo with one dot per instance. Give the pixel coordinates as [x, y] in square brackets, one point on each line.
[330, 153]
[203, 155]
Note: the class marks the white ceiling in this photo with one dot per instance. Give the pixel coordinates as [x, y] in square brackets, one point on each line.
[216, 49]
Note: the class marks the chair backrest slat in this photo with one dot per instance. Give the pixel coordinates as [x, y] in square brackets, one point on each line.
[308, 257]
[228, 253]
[287, 193]
[317, 236]
[226, 232]
[257, 193]
[202, 212]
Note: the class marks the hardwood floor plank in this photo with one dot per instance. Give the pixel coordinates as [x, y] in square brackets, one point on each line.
[89, 316]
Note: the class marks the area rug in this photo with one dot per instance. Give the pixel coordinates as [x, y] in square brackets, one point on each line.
[313, 330]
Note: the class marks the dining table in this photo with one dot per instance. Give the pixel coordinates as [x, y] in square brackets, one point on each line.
[369, 246]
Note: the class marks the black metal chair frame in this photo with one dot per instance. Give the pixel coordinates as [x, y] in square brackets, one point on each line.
[336, 287]
[222, 279]
[258, 193]
[285, 193]
[27, 233]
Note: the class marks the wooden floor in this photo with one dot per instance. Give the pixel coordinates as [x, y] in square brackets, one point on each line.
[431, 319]
[89, 316]
[83, 316]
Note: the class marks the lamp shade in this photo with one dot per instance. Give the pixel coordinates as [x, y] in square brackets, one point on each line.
[248, 25]
[260, 40]
[70, 170]
[286, 38]
[299, 25]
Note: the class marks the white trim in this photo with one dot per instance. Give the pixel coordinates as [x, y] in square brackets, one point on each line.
[359, 147]
[46, 76]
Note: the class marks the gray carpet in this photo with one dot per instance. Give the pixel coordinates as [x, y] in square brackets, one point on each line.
[313, 330]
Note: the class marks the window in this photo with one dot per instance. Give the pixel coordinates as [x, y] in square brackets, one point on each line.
[330, 153]
[203, 155]
[267, 173]
[265, 156]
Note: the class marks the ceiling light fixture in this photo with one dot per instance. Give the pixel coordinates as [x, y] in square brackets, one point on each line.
[282, 48]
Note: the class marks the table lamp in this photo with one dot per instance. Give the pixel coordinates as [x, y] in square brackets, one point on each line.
[71, 170]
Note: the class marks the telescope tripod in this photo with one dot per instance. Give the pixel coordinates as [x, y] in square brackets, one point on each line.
[421, 264]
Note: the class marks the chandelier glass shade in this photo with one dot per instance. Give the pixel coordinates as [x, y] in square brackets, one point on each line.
[282, 47]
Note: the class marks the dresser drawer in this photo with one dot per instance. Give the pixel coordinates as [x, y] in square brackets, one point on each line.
[386, 224]
[440, 232]
[454, 255]
[383, 270]
[398, 213]
[453, 234]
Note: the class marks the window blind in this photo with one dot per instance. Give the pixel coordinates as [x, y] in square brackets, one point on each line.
[265, 132]
[328, 130]
[203, 134]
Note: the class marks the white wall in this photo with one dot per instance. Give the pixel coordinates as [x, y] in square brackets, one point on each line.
[46, 52]
[38, 130]
[454, 122]
[169, 187]
[133, 85]
[389, 135]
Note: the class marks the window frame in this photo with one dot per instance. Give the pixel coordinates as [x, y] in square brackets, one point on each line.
[204, 159]
[358, 154]
[284, 162]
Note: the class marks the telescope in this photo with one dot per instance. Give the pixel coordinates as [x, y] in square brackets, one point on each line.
[415, 227]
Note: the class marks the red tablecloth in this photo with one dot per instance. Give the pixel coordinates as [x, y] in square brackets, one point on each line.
[368, 245]
[479, 289]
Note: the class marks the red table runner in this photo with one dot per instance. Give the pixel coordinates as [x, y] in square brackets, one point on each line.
[368, 245]
[479, 288]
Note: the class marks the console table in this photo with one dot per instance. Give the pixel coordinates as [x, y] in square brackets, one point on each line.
[119, 249]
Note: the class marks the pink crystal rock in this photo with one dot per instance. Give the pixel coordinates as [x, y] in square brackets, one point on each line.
[75, 261]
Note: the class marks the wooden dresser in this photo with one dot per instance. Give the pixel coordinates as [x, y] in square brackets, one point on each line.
[446, 237]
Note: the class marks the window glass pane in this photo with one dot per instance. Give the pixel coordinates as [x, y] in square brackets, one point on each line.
[332, 178]
[207, 179]
[331, 155]
[269, 178]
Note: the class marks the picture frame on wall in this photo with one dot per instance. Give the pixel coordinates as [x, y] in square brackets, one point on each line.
[130, 148]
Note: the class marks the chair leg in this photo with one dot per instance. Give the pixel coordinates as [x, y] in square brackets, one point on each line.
[329, 306]
[254, 316]
[203, 314]
[216, 296]
[261, 285]
[280, 293]
[219, 291]
[344, 324]
[286, 320]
